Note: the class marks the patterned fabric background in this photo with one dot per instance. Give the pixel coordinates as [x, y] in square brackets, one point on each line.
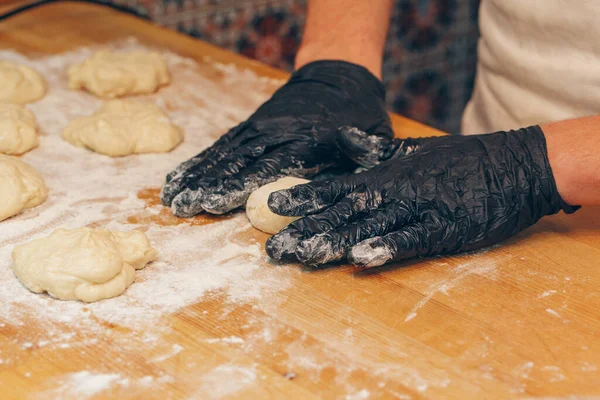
[430, 60]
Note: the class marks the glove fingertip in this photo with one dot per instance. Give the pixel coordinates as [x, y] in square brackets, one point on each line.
[168, 193]
[186, 204]
[282, 246]
[372, 252]
[365, 149]
[281, 202]
[223, 199]
[317, 250]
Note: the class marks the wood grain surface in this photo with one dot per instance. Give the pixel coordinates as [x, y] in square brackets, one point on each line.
[520, 320]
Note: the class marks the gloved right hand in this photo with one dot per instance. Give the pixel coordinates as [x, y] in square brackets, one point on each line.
[456, 193]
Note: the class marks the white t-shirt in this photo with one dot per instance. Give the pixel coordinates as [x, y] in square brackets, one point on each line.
[539, 61]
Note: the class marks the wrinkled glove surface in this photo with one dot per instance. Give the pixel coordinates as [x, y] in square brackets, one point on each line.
[292, 134]
[455, 194]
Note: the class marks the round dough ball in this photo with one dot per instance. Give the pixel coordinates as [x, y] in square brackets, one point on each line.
[82, 264]
[108, 74]
[124, 127]
[18, 129]
[257, 207]
[20, 187]
[20, 84]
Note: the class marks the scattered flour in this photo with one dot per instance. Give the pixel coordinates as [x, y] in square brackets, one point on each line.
[226, 380]
[176, 349]
[88, 189]
[476, 267]
[362, 395]
[547, 293]
[587, 367]
[553, 313]
[227, 340]
[521, 375]
[88, 384]
[554, 372]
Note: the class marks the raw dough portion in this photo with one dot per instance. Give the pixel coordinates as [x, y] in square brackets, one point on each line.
[20, 84]
[108, 74]
[18, 129]
[257, 208]
[20, 187]
[124, 127]
[82, 264]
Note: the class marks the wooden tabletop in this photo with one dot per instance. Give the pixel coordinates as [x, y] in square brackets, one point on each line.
[519, 320]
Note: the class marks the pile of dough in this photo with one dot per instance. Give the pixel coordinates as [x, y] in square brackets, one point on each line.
[20, 84]
[20, 187]
[124, 127]
[257, 207]
[82, 264]
[18, 129]
[108, 74]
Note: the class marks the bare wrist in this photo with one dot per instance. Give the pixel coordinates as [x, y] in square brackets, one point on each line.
[316, 52]
[574, 159]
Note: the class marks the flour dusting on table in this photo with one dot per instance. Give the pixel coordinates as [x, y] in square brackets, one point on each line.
[89, 189]
[226, 380]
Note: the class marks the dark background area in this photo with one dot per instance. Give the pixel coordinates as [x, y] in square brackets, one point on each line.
[430, 59]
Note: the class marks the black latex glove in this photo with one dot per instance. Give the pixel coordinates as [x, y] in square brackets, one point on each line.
[456, 193]
[292, 134]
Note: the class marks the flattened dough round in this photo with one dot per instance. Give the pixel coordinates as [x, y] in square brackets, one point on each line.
[20, 84]
[20, 187]
[109, 74]
[124, 127]
[18, 129]
[82, 264]
[257, 207]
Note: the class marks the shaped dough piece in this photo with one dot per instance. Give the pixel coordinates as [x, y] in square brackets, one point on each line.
[18, 129]
[124, 127]
[108, 74]
[20, 84]
[82, 264]
[20, 187]
[257, 207]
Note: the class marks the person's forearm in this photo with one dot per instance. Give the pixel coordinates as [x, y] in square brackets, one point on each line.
[574, 154]
[347, 30]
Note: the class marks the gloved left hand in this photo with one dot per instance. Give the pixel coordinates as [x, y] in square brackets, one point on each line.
[291, 134]
[456, 193]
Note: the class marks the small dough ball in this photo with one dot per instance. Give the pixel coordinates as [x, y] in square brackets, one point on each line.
[82, 264]
[20, 84]
[108, 74]
[124, 127]
[18, 129]
[257, 207]
[21, 187]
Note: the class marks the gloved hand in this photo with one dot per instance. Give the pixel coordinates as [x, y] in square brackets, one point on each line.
[455, 194]
[292, 134]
